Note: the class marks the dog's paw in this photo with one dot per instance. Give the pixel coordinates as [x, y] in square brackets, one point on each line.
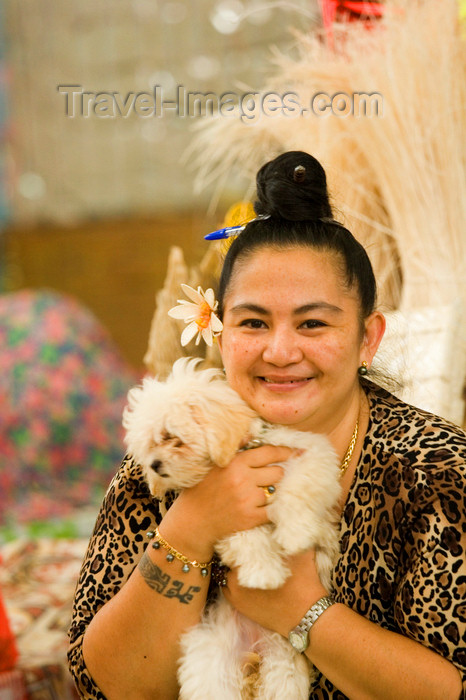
[265, 578]
[295, 537]
[257, 557]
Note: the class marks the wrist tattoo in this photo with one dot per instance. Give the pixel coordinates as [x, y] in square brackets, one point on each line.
[163, 583]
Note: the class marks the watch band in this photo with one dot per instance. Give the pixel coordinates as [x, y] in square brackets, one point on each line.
[299, 635]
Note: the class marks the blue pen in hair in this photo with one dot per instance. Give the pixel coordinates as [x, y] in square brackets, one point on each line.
[229, 231]
[224, 233]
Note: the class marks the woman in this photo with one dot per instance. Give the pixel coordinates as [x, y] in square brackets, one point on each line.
[297, 301]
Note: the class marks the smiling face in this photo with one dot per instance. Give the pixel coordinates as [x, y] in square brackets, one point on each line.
[292, 339]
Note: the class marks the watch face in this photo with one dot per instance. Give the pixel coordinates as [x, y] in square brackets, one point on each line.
[298, 640]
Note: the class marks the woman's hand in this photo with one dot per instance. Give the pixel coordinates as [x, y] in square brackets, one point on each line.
[281, 609]
[362, 659]
[227, 500]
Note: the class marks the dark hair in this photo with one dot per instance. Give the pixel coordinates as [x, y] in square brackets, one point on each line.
[292, 193]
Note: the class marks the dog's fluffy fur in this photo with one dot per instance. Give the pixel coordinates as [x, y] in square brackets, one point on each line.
[175, 430]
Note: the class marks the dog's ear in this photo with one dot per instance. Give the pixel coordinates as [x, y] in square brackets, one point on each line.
[224, 427]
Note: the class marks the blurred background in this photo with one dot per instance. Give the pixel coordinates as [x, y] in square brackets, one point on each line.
[90, 205]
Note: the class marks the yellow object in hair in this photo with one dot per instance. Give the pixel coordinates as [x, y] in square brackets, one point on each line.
[238, 214]
[462, 5]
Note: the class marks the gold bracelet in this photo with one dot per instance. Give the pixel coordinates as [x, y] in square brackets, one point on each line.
[174, 554]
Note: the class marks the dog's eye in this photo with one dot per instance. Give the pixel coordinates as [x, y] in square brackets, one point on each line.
[166, 437]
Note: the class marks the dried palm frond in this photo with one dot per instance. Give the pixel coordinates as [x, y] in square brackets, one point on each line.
[164, 345]
[400, 178]
[164, 339]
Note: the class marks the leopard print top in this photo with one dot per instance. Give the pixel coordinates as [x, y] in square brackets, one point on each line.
[403, 538]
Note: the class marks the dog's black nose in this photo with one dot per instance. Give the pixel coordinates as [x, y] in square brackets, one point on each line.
[156, 464]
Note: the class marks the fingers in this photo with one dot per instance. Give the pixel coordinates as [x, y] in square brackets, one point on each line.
[235, 496]
[264, 482]
[269, 492]
[266, 454]
[270, 475]
[260, 464]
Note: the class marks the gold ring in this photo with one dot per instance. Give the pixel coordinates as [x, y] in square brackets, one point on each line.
[269, 491]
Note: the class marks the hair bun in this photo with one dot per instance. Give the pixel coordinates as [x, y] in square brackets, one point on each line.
[293, 186]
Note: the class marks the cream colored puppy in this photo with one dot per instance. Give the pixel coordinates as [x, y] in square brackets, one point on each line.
[175, 430]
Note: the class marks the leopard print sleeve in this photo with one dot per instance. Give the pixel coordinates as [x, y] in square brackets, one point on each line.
[403, 531]
[430, 601]
[114, 550]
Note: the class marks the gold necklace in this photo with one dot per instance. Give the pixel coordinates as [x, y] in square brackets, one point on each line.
[349, 452]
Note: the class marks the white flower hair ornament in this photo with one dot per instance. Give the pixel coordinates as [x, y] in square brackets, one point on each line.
[199, 313]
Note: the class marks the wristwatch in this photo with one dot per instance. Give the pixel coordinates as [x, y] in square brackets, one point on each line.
[299, 635]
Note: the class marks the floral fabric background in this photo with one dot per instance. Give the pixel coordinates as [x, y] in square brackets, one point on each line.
[63, 386]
